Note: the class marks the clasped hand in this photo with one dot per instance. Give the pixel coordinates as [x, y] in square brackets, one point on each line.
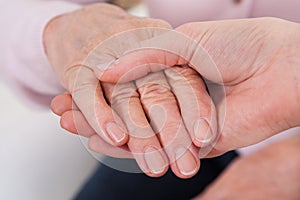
[161, 119]
[152, 111]
[164, 128]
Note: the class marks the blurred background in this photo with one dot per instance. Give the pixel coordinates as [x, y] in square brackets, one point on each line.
[39, 160]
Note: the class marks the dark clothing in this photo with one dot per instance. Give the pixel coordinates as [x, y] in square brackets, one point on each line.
[109, 184]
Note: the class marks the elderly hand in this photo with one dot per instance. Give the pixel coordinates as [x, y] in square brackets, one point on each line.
[179, 111]
[68, 41]
[256, 61]
[271, 173]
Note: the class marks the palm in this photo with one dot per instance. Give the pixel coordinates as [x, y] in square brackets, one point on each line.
[257, 73]
[255, 110]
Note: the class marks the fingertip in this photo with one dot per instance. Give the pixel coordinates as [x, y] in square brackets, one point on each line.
[186, 164]
[120, 143]
[61, 103]
[117, 135]
[55, 108]
[97, 144]
[203, 135]
[66, 122]
[156, 161]
[157, 175]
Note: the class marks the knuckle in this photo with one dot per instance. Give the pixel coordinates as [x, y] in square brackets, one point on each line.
[155, 93]
[124, 93]
[119, 90]
[153, 88]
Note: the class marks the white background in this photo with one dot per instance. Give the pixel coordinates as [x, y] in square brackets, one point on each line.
[38, 160]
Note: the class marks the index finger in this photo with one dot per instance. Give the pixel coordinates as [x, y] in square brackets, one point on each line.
[88, 96]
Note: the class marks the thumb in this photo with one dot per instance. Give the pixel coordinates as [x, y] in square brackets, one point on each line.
[221, 51]
[174, 47]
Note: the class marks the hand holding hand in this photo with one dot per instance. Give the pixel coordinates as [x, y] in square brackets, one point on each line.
[248, 77]
[256, 61]
[177, 109]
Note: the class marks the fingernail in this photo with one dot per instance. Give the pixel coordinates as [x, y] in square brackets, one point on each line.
[115, 132]
[202, 131]
[186, 162]
[155, 160]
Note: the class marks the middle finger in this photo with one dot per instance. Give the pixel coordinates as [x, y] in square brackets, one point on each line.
[162, 109]
[143, 143]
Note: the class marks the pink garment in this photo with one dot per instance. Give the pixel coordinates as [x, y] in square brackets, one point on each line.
[23, 62]
[25, 65]
[178, 12]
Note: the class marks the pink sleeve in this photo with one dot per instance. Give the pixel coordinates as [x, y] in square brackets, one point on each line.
[23, 63]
